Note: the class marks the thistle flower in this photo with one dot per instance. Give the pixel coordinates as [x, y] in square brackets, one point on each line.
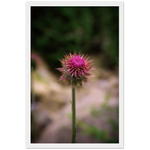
[75, 68]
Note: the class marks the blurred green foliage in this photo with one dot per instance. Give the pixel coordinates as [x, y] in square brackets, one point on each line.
[94, 132]
[90, 30]
[101, 135]
[104, 107]
[111, 118]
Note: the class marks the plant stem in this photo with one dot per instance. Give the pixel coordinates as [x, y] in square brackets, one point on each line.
[73, 116]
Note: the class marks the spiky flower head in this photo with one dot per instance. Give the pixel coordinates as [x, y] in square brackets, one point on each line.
[75, 68]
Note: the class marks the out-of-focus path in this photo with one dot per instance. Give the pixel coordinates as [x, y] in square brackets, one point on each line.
[53, 103]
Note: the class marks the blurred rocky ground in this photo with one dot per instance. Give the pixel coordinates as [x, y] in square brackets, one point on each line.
[97, 108]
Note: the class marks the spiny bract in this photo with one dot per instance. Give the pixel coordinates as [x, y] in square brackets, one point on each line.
[75, 68]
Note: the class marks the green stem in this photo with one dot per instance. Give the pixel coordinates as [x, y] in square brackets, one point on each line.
[73, 116]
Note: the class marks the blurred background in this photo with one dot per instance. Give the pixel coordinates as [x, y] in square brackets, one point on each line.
[56, 31]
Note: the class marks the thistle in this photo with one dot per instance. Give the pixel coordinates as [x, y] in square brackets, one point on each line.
[75, 69]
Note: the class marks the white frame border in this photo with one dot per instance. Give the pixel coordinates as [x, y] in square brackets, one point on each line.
[28, 73]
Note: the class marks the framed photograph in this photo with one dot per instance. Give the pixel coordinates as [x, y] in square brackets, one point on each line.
[74, 67]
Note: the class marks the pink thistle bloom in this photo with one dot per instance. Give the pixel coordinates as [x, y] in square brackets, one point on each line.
[75, 68]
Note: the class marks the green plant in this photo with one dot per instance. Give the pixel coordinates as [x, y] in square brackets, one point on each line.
[103, 135]
[75, 70]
